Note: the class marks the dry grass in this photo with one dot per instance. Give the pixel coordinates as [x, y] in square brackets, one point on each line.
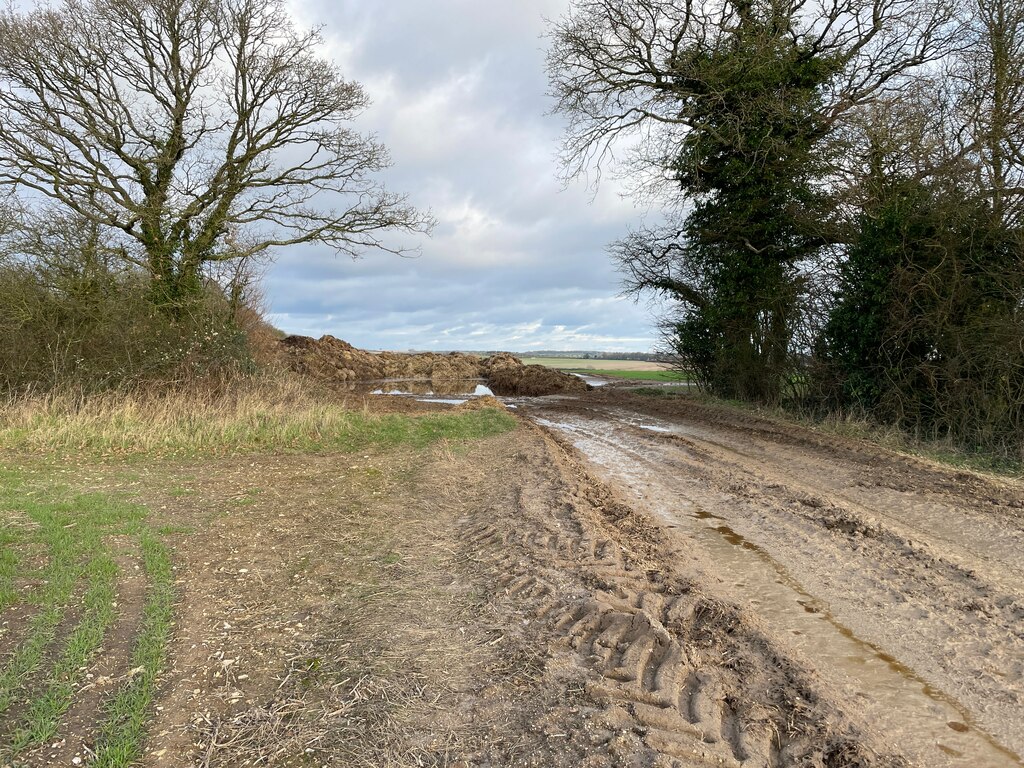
[272, 413]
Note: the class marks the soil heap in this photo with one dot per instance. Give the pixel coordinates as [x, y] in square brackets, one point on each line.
[506, 375]
[333, 361]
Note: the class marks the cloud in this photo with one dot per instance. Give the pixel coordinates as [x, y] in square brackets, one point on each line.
[516, 262]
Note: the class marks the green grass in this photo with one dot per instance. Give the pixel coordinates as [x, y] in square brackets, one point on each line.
[124, 728]
[74, 609]
[674, 376]
[8, 568]
[47, 707]
[633, 370]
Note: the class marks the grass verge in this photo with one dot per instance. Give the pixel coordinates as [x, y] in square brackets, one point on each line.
[276, 416]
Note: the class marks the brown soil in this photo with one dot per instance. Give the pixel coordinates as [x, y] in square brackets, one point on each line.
[507, 376]
[481, 605]
[537, 599]
[479, 403]
[14, 624]
[916, 569]
[332, 361]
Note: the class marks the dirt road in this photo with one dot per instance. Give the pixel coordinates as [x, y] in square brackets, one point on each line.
[619, 581]
[898, 583]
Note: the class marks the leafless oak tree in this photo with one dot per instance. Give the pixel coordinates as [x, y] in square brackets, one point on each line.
[192, 131]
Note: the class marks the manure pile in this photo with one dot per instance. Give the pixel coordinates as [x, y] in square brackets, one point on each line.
[334, 361]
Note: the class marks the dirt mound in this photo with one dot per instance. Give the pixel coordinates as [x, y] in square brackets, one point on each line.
[334, 361]
[330, 360]
[479, 403]
[507, 376]
[431, 365]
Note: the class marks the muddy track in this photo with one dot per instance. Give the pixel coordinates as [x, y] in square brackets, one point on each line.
[905, 579]
[687, 675]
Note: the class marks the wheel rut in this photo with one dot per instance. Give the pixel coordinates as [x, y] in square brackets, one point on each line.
[866, 588]
[692, 678]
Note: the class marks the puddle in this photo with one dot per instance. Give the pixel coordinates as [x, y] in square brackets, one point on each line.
[932, 727]
[428, 391]
[593, 381]
[464, 388]
[480, 391]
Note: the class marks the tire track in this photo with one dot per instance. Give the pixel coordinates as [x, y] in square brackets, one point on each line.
[689, 675]
[894, 586]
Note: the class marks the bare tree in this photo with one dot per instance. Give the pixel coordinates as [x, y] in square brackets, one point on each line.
[620, 69]
[190, 131]
[989, 93]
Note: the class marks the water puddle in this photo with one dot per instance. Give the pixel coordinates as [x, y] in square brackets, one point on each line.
[593, 381]
[479, 391]
[426, 391]
[931, 726]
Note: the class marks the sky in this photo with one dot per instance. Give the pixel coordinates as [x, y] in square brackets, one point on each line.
[517, 260]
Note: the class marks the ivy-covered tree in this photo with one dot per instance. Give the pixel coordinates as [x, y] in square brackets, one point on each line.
[927, 327]
[752, 169]
[730, 108]
[927, 330]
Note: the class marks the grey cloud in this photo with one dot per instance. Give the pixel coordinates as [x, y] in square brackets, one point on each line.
[515, 262]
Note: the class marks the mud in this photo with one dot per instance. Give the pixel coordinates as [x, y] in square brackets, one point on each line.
[896, 581]
[508, 377]
[337, 363]
[674, 676]
[481, 402]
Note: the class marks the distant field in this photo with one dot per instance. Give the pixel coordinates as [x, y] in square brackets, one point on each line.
[661, 375]
[582, 364]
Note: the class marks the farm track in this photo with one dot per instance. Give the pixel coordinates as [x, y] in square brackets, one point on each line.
[639, 582]
[904, 578]
[698, 681]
